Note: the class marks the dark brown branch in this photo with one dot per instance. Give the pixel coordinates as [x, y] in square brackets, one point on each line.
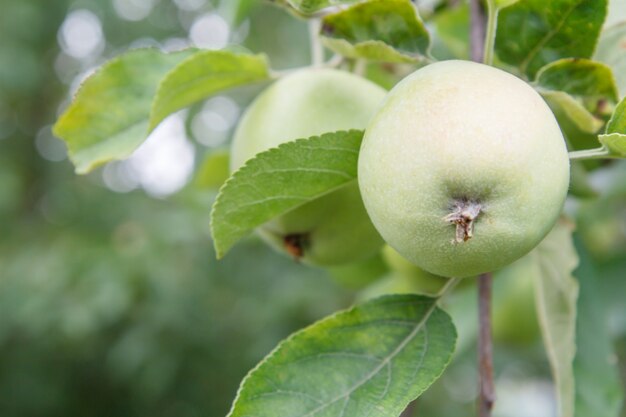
[487, 395]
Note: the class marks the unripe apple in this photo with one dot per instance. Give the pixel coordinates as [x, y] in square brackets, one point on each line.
[334, 229]
[464, 169]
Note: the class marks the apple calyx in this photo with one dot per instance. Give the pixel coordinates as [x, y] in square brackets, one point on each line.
[464, 213]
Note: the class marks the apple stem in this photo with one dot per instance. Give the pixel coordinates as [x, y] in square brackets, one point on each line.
[487, 395]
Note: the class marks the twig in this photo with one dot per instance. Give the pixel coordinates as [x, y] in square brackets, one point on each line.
[485, 347]
[477, 30]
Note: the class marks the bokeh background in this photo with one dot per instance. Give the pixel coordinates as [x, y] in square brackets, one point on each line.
[111, 300]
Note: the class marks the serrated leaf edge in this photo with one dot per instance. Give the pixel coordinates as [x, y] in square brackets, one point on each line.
[381, 300]
[221, 251]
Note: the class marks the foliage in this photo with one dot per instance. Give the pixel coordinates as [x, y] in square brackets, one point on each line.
[113, 304]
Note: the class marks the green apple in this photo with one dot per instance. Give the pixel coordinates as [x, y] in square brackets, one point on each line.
[464, 169]
[334, 229]
[423, 282]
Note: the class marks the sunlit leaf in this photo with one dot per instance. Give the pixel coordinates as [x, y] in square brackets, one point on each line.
[532, 33]
[378, 30]
[108, 118]
[281, 179]
[556, 292]
[202, 75]
[371, 360]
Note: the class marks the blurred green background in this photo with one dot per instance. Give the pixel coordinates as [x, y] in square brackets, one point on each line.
[111, 300]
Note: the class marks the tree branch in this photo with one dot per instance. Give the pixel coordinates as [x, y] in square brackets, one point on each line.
[477, 30]
[485, 347]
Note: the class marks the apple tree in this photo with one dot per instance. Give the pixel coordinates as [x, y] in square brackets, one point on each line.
[449, 138]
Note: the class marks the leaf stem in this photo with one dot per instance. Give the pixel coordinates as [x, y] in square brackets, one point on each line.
[596, 153]
[317, 50]
[487, 395]
[490, 37]
[447, 287]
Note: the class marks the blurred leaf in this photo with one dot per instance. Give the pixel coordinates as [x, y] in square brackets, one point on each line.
[281, 179]
[598, 387]
[214, 171]
[556, 292]
[108, 118]
[532, 33]
[452, 31]
[370, 360]
[612, 51]
[202, 75]
[574, 110]
[312, 6]
[378, 30]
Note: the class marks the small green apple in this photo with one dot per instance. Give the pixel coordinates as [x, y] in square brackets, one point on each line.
[464, 169]
[334, 229]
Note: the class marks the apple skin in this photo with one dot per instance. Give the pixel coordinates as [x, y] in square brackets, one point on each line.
[455, 136]
[334, 229]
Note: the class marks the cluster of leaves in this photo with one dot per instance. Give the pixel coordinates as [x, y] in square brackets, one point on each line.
[335, 367]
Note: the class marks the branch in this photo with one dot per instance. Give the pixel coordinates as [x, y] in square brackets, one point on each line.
[477, 30]
[485, 347]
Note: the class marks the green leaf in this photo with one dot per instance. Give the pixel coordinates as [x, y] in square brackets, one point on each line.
[581, 78]
[615, 143]
[598, 388]
[281, 179]
[214, 171]
[202, 75]
[378, 30]
[556, 292]
[451, 35]
[371, 360]
[312, 6]
[108, 118]
[614, 140]
[532, 33]
[617, 124]
[574, 110]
